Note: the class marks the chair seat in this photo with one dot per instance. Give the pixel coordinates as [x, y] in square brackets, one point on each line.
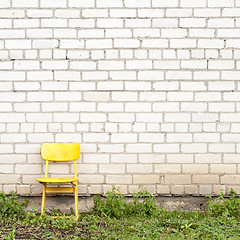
[57, 179]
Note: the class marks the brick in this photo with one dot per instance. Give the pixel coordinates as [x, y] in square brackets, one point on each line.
[26, 107]
[39, 13]
[220, 3]
[146, 179]
[193, 4]
[176, 137]
[38, 117]
[118, 179]
[177, 189]
[152, 97]
[177, 12]
[126, 43]
[221, 147]
[137, 86]
[155, 43]
[111, 148]
[137, 107]
[194, 148]
[124, 158]
[207, 12]
[112, 168]
[107, 4]
[151, 137]
[210, 43]
[192, 22]
[195, 168]
[166, 148]
[81, 4]
[180, 158]
[135, 148]
[124, 96]
[191, 190]
[139, 168]
[177, 178]
[137, 23]
[52, 107]
[122, 137]
[110, 65]
[229, 179]
[13, 13]
[24, 3]
[91, 178]
[221, 23]
[109, 23]
[151, 158]
[96, 13]
[223, 168]
[93, 117]
[39, 97]
[11, 34]
[167, 168]
[18, 44]
[6, 23]
[230, 12]
[183, 43]
[205, 190]
[221, 64]
[228, 33]
[26, 23]
[173, 33]
[30, 168]
[206, 137]
[164, 3]
[79, 23]
[5, 4]
[205, 179]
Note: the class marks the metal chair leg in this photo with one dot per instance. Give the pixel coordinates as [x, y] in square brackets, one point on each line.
[43, 200]
[76, 200]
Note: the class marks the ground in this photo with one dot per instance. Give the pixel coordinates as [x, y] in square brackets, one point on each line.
[112, 217]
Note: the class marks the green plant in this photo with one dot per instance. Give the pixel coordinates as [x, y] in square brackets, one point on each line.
[10, 236]
[116, 205]
[115, 217]
[9, 206]
[221, 207]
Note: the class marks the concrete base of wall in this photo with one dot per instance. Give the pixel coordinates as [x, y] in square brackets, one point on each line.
[64, 203]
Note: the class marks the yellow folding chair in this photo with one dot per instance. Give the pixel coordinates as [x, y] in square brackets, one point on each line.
[60, 152]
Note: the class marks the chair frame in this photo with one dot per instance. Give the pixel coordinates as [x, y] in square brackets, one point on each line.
[73, 189]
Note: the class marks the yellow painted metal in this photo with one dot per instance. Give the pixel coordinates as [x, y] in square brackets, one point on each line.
[60, 151]
[60, 189]
[46, 170]
[57, 179]
[43, 200]
[76, 199]
[75, 168]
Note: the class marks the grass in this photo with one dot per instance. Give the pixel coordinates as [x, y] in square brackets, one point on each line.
[112, 217]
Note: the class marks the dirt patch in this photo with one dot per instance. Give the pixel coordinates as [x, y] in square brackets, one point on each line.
[22, 232]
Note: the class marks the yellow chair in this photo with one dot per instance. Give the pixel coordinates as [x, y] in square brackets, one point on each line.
[60, 152]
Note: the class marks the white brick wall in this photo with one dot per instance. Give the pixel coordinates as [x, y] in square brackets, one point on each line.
[149, 88]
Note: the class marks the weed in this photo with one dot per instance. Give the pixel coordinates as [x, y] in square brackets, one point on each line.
[116, 205]
[11, 235]
[9, 206]
[224, 207]
[114, 217]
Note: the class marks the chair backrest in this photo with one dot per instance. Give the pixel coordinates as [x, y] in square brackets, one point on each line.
[60, 151]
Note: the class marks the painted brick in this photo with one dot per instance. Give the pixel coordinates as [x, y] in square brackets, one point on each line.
[146, 87]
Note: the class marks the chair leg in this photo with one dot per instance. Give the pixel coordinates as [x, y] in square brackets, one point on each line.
[43, 200]
[76, 200]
